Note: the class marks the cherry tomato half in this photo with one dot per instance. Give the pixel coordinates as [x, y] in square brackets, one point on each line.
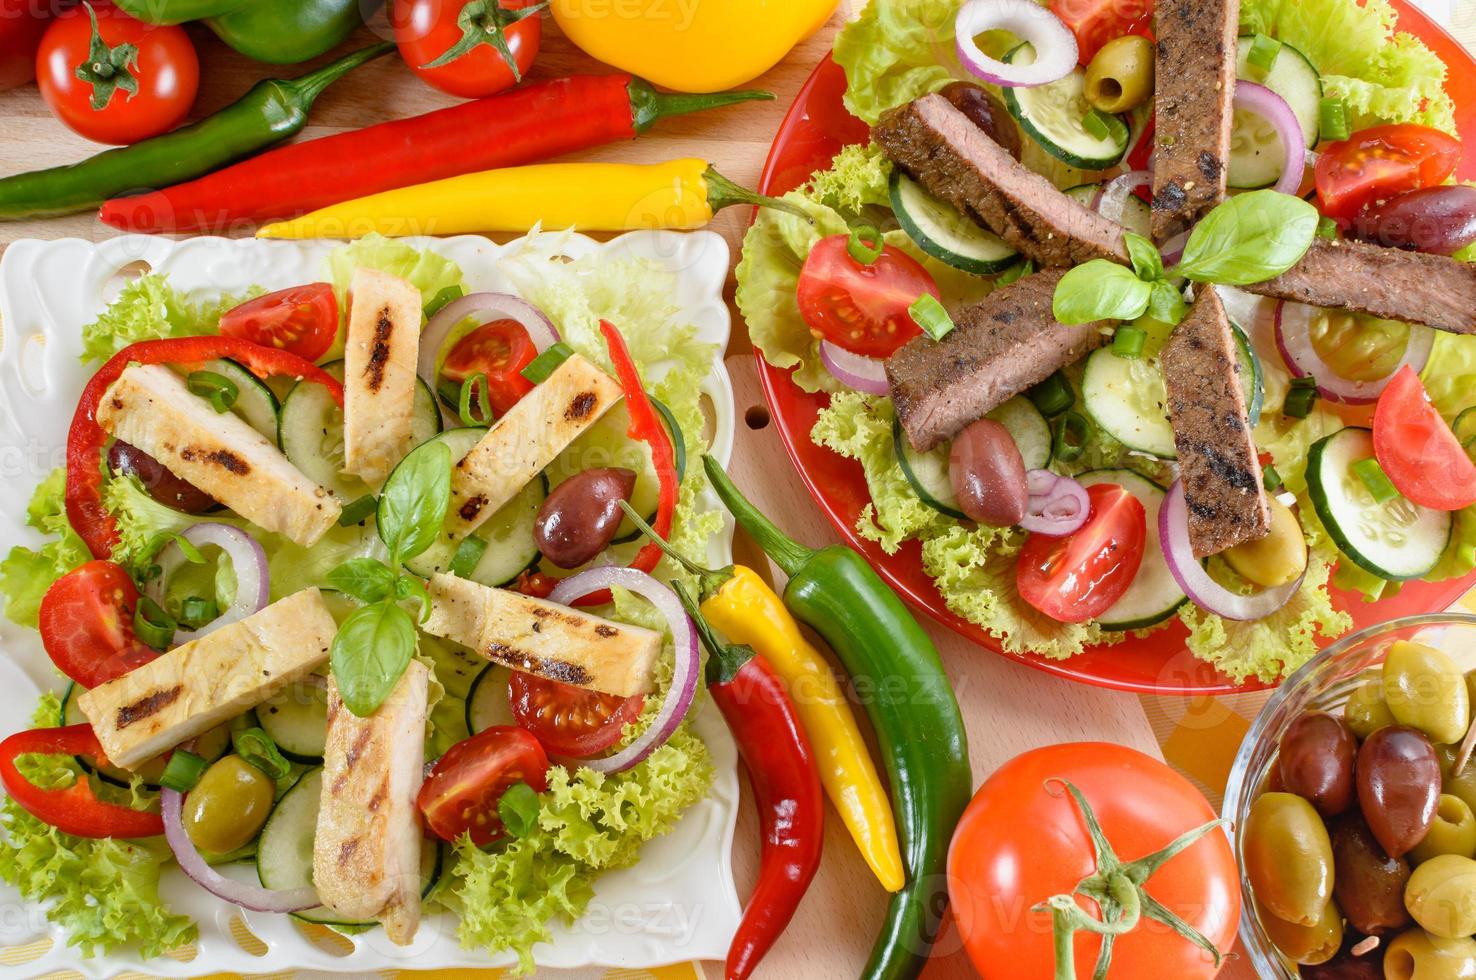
[1380, 162]
[570, 721]
[460, 795]
[426, 30]
[1095, 22]
[1416, 449]
[500, 350]
[166, 69]
[862, 308]
[302, 320]
[86, 623]
[1079, 576]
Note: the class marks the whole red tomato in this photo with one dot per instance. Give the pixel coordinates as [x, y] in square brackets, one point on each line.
[1023, 840]
[470, 48]
[114, 79]
[22, 22]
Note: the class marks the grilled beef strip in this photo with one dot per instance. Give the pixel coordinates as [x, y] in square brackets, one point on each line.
[1194, 87]
[1000, 346]
[958, 162]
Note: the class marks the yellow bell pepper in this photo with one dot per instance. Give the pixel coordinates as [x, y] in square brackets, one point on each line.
[691, 45]
[679, 194]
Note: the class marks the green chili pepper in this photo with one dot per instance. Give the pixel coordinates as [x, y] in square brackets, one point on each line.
[272, 111]
[910, 702]
[278, 32]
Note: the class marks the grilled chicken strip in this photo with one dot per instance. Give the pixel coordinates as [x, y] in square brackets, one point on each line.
[380, 357]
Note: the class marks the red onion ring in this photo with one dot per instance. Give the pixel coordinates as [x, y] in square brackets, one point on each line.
[1055, 47]
[488, 307]
[1058, 504]
[247, 557]
[1173, 249]
[688, 660]
[246, 895]
[1294, 341]
[1273, 108]
[1203, 591]
[867, 375]
[1112, 197]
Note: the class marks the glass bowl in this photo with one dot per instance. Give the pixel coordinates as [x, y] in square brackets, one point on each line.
[1322, 684]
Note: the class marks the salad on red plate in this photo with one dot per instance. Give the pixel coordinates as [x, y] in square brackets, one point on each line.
[1133, 317]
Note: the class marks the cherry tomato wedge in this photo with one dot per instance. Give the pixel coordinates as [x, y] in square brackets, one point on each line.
[86, 623]
[862, 308]
[570, 721]
[500, 350]
[1095, 22]
[1079, 576]
[302, 320]
[460, 795]
[1418, 452]
[1377, 163]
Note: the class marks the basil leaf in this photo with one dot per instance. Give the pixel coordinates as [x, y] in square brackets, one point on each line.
[370, 651]
[1147, 263]
[518, 809]
[1166, 303]
[366, 579]
[1250, 238]
[410, 587]
[415, 500]
[1099, 290]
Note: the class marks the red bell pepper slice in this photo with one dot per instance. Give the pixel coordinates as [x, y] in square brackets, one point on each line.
[74, 810]
[86, 441]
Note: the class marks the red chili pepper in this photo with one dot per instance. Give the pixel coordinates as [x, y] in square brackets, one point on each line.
[532, 123]
[86, 440]
[786, 787]
[646, 426]
[74, 810]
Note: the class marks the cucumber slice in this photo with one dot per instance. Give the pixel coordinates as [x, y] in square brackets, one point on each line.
[311, 433]
[1397, 540]
[487, 702]
[1255, 148]
[1126, 398]
[927, 473]
[606, 444]
[255, 403]
[1052, 114]
[1136, 215]
[296, 718]
[1252, 376]
[1031, 431]
[1154, 595]
[948, 236]
[1464, 427]
[284, 851]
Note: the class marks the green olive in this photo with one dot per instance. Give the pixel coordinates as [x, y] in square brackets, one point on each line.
[214, 743]
[1441, 896]
[1278, 558]
[227, 807]
[1426, 690]
[1453, 832]
[1416, 955]
[1288, 858]
[1463, 783]
[1367, 711]
[1308, 945]
[1120, 77]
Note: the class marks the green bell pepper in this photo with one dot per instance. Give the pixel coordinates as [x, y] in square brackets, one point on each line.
[278, 32]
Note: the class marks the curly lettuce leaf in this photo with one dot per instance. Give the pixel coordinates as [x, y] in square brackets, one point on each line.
[897, 51]
[148, 308]
[27, 573]
[1450, 373]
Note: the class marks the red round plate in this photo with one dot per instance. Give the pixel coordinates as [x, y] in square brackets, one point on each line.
[815, 129]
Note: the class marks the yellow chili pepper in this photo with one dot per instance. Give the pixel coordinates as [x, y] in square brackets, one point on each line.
[680, 194]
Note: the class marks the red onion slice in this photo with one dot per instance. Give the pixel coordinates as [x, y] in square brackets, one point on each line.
[247, 557]
[1054, 44]
[487, 307]
[1112, 197]
[1173, 249]
[688, 660]
[1203, 591]
[867, 375]
[1058, 505]
[246, 895]
[1271, 107]
[1294, 341]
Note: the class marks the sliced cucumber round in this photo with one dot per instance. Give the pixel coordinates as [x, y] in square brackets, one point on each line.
[296, 718]
[1029, 428]
[1126, 398]
[1252, 376]
[1255, 148]
[1137, 217]
[487, 702]
[1397, 540]
[1052, 115]
[255, 403]
[927, 473]
[1154, 596]
[948, 236]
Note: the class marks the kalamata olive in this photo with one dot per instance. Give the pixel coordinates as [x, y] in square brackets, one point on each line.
[986, 112]
[1316, 762]
[1426, 690]
[582, 514]
[1288, 858]
[1430, 219]
[162, 485]
[988, 475]
[1441, 896]
[1398, 776]
[1368, 884]
[1346, 966]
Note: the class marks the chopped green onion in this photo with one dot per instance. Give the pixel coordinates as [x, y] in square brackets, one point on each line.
[1270, 479]
[256, 747]
[1373, 477]
[1301, 398]
[196, 611]
[929, 314]
[1015, 272]
[183, 771]
[358, 512]
[1326, 227]
[1053, 395]
[217, 389]
[475, 410]
[1262, 55]
[1128, 342]
[1103, 125]
[468, 556]
[1332, 119]
[443, 299]
[545, 364]
[153, 625]
[865, 244]
[1069, 436]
